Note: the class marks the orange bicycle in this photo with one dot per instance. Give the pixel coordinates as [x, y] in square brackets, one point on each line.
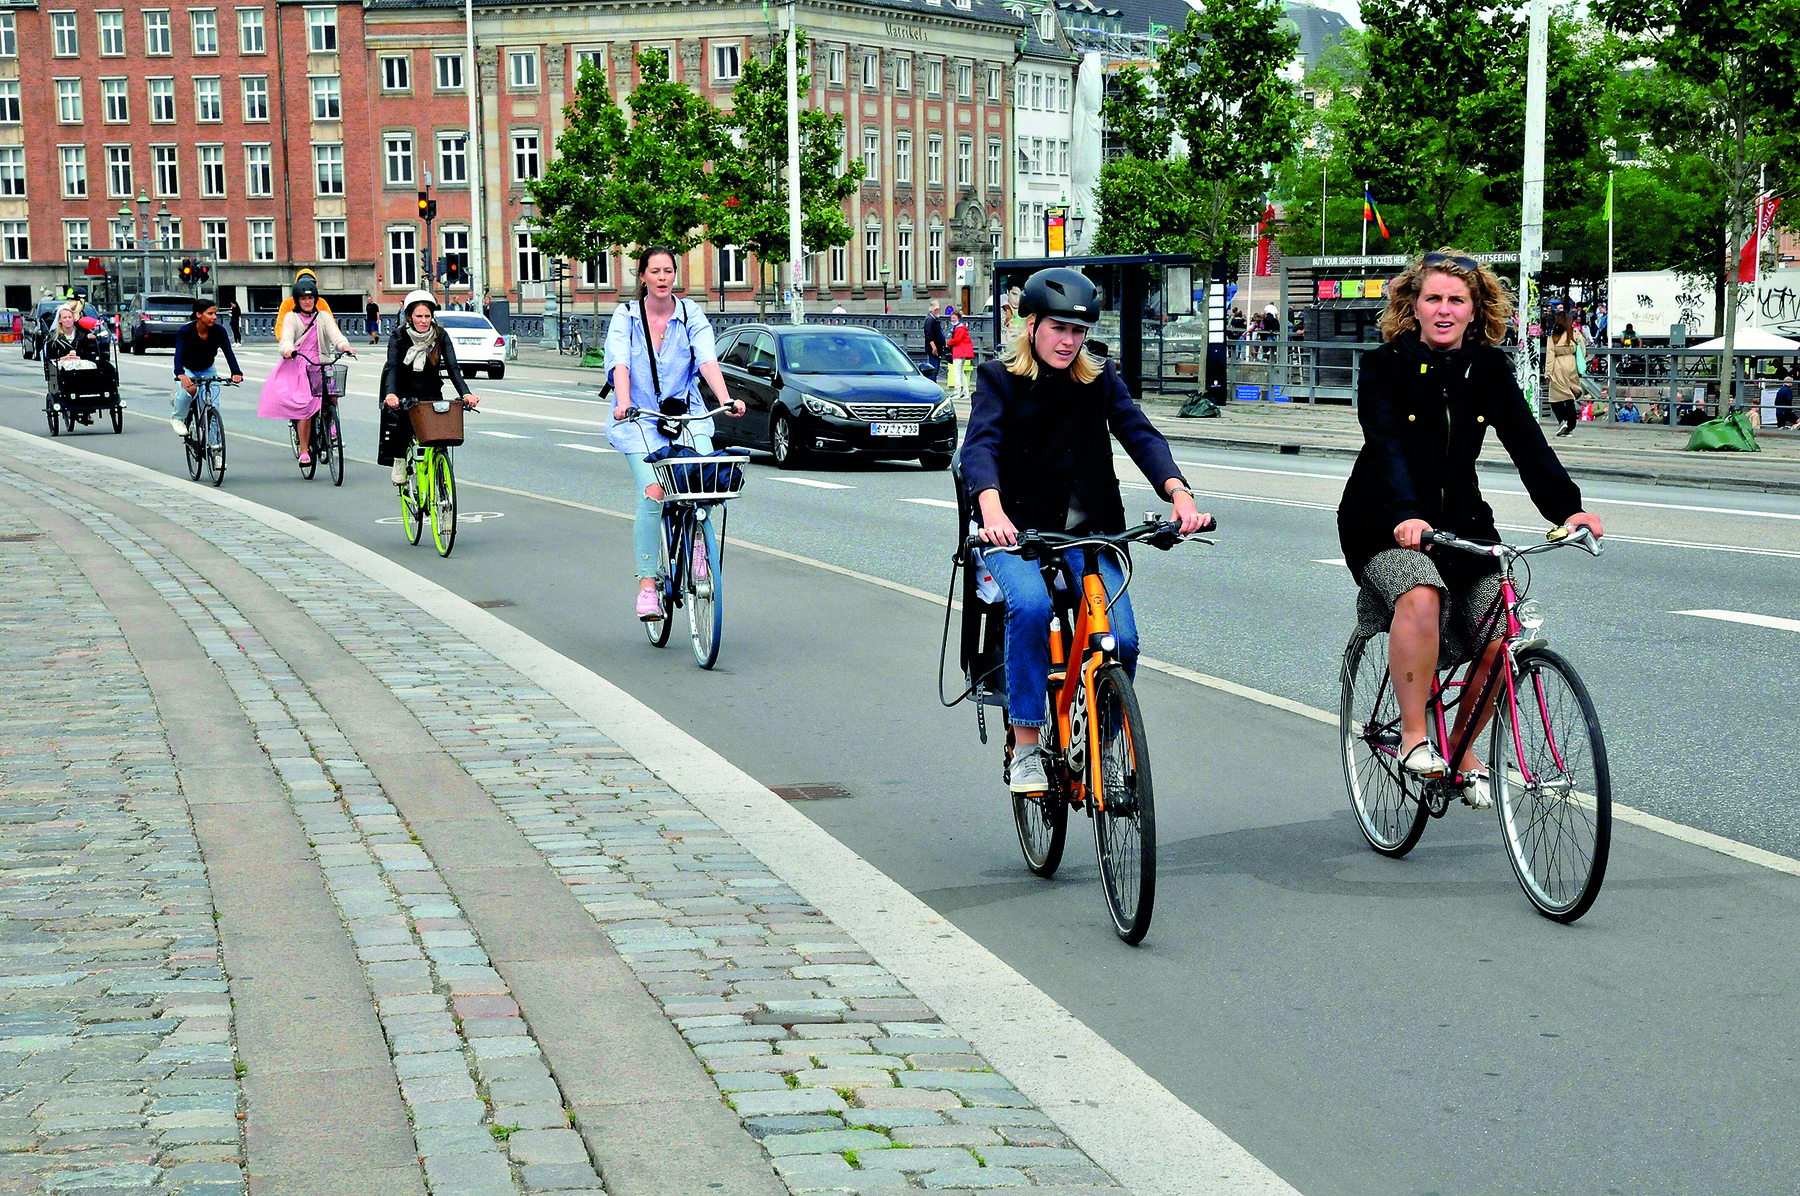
[1097, 754]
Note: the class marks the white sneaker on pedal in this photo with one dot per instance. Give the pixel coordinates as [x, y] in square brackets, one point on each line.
[178, 426]
[398, 474]
[1478, 790]
[1028, 773]
[1425, 761]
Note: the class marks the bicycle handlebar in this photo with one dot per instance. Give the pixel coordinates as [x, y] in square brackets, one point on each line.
[1158, 533]
[1556, 537]
[336, 357]
[636, 413]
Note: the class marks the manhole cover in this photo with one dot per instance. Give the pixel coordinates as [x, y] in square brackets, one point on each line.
[493, 603]
[21, 537]
[824, 791]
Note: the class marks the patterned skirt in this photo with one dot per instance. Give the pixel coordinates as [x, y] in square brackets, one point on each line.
[1462, 607]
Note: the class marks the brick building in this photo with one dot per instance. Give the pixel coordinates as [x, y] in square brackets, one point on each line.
[282, 133]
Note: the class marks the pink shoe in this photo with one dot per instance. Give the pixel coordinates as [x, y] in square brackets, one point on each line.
[701, 570]
[306, 458]
[649, 606]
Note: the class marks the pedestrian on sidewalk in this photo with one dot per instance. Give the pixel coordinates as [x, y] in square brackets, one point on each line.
[197, 349]
[936, 347]
[657, 351]
[235, 320]
[420, 359]
[289, 392]
[1426, 399]
[1785, 415]
[372, 317]
[1562, 365]
[1039, 457]
[962, 356]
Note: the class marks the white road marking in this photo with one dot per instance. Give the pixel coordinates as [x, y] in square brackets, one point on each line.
[930, 502]
[549, 419]
[576, 432]
[814, 483]
[1331, 560]
[502, 435]
[588, 448]
[1738, 616]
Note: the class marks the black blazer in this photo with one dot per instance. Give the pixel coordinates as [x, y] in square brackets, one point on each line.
[935, 344]
[1042, 442]
[424, 385]
[1424, 416]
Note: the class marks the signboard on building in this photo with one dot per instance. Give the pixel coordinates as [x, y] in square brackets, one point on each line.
[1055, 240]
[1328, 288]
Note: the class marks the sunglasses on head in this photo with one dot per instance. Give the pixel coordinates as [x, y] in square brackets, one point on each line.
[1438, 259]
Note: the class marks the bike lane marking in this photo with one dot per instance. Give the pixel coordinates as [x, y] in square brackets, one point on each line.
[814, 483]
[1738, 616]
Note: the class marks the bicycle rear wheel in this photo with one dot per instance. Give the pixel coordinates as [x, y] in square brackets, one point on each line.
[443, 503]
[1556, 812]
[705, 595]
[334, 445]
[412, 504]
[1042, 819]
[1391, 817]
[1125, 824]
[657, 630]
[215, 445]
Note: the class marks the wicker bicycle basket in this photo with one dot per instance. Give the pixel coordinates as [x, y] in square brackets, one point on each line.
[700, 479]
[438, 424]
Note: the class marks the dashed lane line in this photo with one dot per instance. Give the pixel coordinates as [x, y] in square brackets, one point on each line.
[501, 435]
[1739, 616]
[587, 448]
[814, 483]
[931, 502]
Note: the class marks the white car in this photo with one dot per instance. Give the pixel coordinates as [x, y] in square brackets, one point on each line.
[478, 346]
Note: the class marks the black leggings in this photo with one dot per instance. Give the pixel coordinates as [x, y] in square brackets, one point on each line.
[1565, 411]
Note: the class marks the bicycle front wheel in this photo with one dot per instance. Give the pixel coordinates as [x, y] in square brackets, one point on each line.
[1390, 816]
[1125, 822]
[215, 445]
[443, 503]
[705, 596]
[334, 444]
[657, 630]
[1552, 787]
[412, 504]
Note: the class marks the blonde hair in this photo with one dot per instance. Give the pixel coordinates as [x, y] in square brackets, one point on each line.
[1019, 358]
[73, 308]
[1493, 304]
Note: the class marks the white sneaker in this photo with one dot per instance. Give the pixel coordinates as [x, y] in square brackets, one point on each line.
[398, 474]
[1424, 761]
[1478, 790]
[1027, 774]
[178, 426]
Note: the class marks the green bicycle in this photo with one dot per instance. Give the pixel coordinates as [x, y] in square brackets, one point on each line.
[430, 486]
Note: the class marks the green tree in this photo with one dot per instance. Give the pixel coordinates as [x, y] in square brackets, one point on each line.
[1147, 207]
[1720, 90]
[1135, 121]
[752, 172]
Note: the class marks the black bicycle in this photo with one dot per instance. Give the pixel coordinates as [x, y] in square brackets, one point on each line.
[204, 442]
[329, 379]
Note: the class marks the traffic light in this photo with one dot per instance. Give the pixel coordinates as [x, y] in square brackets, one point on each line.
[427, 206]
[190, 271]
[202, 271]
[452, 271]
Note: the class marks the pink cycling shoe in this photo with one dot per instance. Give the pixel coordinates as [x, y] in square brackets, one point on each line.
[306, 458]
[649, 606]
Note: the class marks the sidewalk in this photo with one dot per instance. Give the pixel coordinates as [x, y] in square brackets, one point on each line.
[307, 889]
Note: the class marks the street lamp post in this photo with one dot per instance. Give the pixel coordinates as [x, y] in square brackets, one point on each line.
[885, 273]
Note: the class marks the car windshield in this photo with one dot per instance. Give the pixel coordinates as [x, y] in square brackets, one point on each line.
[452, 319]
[843, 353]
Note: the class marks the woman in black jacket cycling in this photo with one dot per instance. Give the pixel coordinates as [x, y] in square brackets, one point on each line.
[1038, 456]
[420, 358]
[1426, 400]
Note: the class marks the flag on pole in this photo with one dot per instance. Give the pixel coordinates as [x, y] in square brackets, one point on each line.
[1371, 212]
[1606, 211]
[1263, 253]
[1765, 216]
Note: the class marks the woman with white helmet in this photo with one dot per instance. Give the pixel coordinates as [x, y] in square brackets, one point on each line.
[420, 358]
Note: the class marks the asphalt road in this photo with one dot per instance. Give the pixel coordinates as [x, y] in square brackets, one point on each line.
[1362, 1025]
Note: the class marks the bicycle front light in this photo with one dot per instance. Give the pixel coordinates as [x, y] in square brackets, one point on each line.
[1530, 616]
[819, 406]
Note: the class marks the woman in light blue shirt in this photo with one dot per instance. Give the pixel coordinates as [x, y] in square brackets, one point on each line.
[657, 350]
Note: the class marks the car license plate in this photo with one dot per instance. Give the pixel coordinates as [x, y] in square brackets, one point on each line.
[467, 340]
[894, 429]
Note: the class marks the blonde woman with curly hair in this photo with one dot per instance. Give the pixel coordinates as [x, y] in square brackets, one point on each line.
[1426, 400]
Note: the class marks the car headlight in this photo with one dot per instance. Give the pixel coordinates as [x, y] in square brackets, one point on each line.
[819, 406]
[944, 407]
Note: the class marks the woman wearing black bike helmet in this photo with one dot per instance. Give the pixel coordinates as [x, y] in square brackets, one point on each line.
[1426, 399]
[1039, 457]
[420, 359]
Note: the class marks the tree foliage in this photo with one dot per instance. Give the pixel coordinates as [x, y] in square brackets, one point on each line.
[1147, 207]
[1134, 118]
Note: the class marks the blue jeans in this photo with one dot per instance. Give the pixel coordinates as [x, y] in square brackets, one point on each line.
[646, 528]
[183, 401]
[1028, 629]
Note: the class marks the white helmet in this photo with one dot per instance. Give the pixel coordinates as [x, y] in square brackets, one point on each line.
[420, 296]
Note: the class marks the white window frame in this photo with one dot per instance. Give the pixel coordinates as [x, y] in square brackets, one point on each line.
[996, 163]
[328, 167]
[121, 234]
[115, 100]
[327, 93]
[441, 68]
[71, 165]
[65, 34]
[871, 253]
[994, 89]
[321, 31]
[965, 160]
[215, 235]
[398, 165]
[453, 150]
[109, 26]
[402, 257]
[965, 81]
[15, 240]
[210, 161]
[522, 70]
[12, 171]
[903, 65]
[69, 105]
[165, 171]
[840, 265]
[934, 77]
[159, 33]
[1062, 93]
[259, 160]
[253, 36]
[596, 58]
[934, 254]
[934, 159]
[209, 87]
[834, 66]
[339, 231]
[871, 154]
[119, 157]
[528, 262]
[261, 233]
[11, 107]
[903, 254]
[520, 153]
[78, 235]
[597, 273]
[9, 36]
[732, 266]
[396, 73]
[871, 70]
[903, 158]
[202, 20]
[254, 94]
[162, 87]
[727, 61]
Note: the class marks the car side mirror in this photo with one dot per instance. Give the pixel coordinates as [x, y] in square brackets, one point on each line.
[762, 369]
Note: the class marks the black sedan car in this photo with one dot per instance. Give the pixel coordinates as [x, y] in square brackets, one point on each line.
[37, 326]
[831, 389]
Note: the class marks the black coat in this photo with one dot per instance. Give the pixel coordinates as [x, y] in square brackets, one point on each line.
[1046, 441]
[397, 378]
[1424, 416]
[935, 344]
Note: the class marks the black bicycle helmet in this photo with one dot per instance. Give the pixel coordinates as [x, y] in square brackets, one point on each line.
[1061, 294]
[306, 285]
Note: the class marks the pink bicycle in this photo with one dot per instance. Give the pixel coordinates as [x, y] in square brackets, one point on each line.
[1546, 754]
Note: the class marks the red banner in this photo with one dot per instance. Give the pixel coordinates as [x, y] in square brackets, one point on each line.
[1263, 253]
[1765, 217]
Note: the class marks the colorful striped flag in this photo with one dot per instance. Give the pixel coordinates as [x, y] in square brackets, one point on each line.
[1371, 212]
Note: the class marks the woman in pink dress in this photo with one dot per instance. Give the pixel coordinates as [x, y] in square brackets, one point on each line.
[288, 392]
